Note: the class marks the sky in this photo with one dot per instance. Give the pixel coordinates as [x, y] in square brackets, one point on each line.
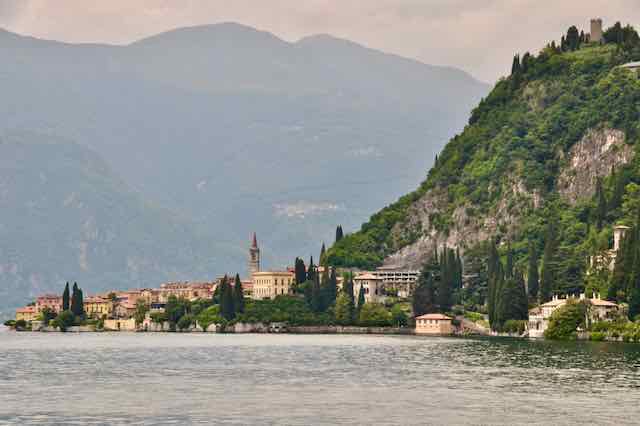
[478, 36]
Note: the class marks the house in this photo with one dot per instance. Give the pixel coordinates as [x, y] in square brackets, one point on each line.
[98, 307]
[28, 314]
[372, 286]
[404, 281]
[269, 284]
[599, 310]
[51, 301]
[434, 324]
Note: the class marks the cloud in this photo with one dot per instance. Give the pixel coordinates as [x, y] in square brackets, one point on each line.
[479, 36]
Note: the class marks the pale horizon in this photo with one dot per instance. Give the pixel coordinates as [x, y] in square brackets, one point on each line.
[482, 36]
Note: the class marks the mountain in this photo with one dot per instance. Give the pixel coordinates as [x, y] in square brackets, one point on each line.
[237, 130]
[66, 216]
[547, 158]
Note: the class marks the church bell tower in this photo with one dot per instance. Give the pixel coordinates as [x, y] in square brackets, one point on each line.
[254, 257]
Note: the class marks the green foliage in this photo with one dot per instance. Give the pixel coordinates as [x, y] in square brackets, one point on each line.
[374, 315]
[185, 322]
[399, 317]
[238, 296]
[77, 302]
[565, 321]
[64, 320]
[65, 298]
[46, 315]
[159, 317]
[20, 325]
[141, 311]
[208, 316]
[227, 307]
[514, 326]
[289, 309]
[344, 310]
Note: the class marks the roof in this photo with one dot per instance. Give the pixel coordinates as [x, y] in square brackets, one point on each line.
[555, 302]
[368, 276]
[600, 302]
[434, 317]
[26, 310]
[631, 65]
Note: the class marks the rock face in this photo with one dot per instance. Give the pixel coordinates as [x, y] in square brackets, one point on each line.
[466, 226]
[591, 158]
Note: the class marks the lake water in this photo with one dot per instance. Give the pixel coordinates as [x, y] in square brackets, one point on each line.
[182, 379]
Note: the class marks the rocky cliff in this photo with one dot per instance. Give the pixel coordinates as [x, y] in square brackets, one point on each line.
[536, 147]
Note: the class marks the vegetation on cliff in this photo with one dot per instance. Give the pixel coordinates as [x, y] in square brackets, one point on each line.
[505, 176]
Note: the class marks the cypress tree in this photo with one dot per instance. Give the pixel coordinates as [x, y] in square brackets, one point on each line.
[444, 291]
[238, 295]
[361, 301]
[300, 271]
[324, 290]
[331, 290]
[347, 288]
[509, 268]
[532, 272]
[311, 271]
[424, 295]
[548, 263]
[227, 310]
[601, 208]
[339, 233]
[493, 278]
[316, 296]
[65, 298]
[323, 251]
[77, 303]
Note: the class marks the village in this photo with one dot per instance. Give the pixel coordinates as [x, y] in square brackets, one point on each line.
[116, 310]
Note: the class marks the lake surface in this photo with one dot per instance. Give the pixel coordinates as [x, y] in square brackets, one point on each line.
[182, 379]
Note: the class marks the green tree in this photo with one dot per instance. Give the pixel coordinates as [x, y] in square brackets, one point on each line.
[532, 272]
[398, 316]
[374, 315]
[344, 310]
[77, 302]
[64, 320]
[565, 321]
[339, 233]
[361, 301]
[330, 288]
[227, 309]
[601, 206]
[141, 311]
[423, 301]
[317, 302]
[549, 262]
[573, 38]
[185, 322]
[238, 296]
[208, 316]
[66, 303]
[323, 251]
[46, 315]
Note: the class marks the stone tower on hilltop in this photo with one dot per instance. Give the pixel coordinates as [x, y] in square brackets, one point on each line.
[254, 257]
[596, 31]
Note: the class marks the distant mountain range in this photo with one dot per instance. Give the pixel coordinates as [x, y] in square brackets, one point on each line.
[180, 145]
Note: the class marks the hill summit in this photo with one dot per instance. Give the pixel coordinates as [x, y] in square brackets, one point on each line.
[553, 143]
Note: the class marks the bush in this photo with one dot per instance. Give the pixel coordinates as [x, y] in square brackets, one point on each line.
[185, 322]
[10, 323]
[208, 316]
[565, 321]
[597, 336]
[374, 315]
[64, 320]
[473, 316]
[514, 326]
[21, 324]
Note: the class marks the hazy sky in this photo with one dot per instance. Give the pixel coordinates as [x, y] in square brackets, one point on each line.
[479, 36]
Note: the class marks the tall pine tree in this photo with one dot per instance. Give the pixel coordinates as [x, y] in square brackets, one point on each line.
[238, 295]
[66, 303]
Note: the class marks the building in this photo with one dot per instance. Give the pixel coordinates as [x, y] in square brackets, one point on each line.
[372, 285]
[51, 301]
[596, 35]
[632, 66]
[98, 307]
[607, 259]
[599, 310]
[403, 281]
[254, 256]
[186, 290]
[28, 314]
[434, 324]
[269, 284]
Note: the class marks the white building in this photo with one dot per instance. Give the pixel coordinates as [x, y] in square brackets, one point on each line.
[600, 310]
[402, 280]
[372, 286]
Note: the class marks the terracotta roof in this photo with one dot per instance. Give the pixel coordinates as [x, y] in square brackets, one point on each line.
[434, 317]
[555, 302]
[26, 310]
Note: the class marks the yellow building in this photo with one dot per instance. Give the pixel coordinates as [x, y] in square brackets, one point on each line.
[434, 324]
[97, 307]
[28, 314]
[269, 284]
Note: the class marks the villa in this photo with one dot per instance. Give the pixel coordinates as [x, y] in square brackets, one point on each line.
[434, 324]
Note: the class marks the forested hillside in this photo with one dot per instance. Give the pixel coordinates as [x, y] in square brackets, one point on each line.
[546, 165]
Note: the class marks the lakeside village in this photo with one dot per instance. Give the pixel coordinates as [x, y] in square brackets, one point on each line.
[323, 299]
[592, 294]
